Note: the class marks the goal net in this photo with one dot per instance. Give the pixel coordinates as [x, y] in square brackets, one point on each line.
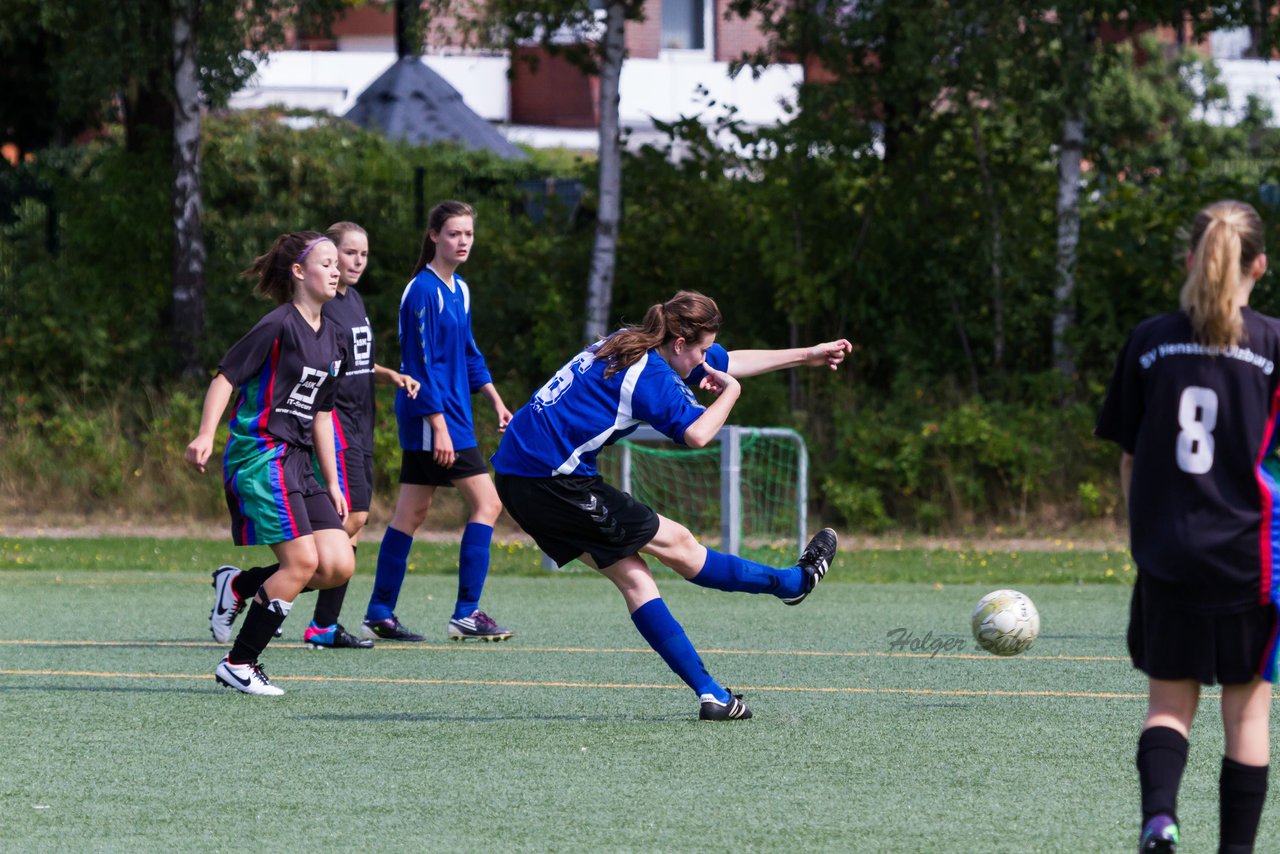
[749, 488]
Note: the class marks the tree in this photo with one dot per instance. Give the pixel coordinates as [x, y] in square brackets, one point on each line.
[596, 43]
[154, 65]
[909, 68]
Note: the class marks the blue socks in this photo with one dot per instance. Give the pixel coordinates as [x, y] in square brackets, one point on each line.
[738, 575]
[668, 639]
[393, 560]
[473, 568]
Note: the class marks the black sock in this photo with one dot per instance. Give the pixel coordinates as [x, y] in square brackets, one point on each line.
[246, 584]
[259, 627]
[1162, 757]
[329, 605]
[1242, 791]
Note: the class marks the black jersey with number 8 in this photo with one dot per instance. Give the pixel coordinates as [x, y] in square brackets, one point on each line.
[1200, 422]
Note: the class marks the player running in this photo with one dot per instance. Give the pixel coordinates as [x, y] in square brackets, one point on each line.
[284, 373]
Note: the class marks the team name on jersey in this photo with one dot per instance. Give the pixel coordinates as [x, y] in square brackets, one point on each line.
[1191, 348]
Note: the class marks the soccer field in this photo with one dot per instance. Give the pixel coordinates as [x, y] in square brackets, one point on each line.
[573, 736]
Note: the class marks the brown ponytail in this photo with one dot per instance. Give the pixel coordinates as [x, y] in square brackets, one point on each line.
[274, 268]
[1226, 237]
[688, 315]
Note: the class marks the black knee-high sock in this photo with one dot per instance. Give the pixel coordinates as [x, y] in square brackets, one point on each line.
[259, 627]
[1242, 791]
[329, 603]
[246, 584]
[1162, 757]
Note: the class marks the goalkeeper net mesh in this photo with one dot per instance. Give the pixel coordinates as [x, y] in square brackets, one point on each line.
[685, 485]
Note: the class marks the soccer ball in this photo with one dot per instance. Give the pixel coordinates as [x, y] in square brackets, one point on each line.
[1005, 622]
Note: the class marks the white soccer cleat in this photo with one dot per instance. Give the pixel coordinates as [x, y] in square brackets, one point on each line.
[245, 678]
[226, 604]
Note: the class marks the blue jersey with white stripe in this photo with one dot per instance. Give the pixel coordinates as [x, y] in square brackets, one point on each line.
[579, 411]
[438, 350]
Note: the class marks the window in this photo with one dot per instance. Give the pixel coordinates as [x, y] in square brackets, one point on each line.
[686, 24]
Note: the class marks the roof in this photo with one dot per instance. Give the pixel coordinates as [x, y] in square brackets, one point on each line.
[412, 102]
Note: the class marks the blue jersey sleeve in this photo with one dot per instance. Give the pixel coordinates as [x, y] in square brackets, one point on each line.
[664, 401]
[418, 331]
[477, 369]
[717, 357]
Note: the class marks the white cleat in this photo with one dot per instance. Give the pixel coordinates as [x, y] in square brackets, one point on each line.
[226, 604]
[245, 678]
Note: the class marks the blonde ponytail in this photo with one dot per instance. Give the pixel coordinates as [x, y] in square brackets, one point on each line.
[1226, 237]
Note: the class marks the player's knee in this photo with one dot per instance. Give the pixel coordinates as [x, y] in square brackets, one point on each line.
[487, 512]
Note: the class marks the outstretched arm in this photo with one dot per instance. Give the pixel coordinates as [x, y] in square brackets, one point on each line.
[749, 363]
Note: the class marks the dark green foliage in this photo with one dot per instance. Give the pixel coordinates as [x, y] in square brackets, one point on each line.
[937, 262]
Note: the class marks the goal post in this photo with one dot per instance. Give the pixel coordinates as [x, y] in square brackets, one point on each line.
[753, 488]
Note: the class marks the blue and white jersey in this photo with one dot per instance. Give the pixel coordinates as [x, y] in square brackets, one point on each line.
[565, 424]
[438, 350]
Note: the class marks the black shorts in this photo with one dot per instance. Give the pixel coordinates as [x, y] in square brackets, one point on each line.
[421, 469]
[1169, 640]
[574, 515]
[355, 476]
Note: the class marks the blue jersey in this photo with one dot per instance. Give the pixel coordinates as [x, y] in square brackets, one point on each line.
[437, 349]
[565, 424]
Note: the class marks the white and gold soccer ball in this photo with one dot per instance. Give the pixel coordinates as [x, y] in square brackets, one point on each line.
[1005, 622]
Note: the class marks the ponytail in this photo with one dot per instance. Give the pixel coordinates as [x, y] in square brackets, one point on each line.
[274, 268]
[688, 315]
[1226, 238]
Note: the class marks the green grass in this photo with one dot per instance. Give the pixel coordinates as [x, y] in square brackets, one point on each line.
[943, 566]
[571, 736]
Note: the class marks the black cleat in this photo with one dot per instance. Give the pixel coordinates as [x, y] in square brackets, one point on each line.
[714, 710]
[388, 629]
[1159, 835]
[814, 562]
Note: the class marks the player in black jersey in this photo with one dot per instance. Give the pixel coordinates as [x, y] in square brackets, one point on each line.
[353, 420]
[285, 373]
[1194, 406]
[353, 440]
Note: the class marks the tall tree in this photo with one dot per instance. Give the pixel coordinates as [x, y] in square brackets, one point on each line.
[188, 229]
[155, 65]
[595, 42]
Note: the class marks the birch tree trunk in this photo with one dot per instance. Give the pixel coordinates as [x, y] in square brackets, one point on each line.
[188, 233]
[997, 240]
[1079, 39]
[604, 253]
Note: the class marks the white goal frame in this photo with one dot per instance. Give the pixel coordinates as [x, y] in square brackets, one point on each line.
[730, 439]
